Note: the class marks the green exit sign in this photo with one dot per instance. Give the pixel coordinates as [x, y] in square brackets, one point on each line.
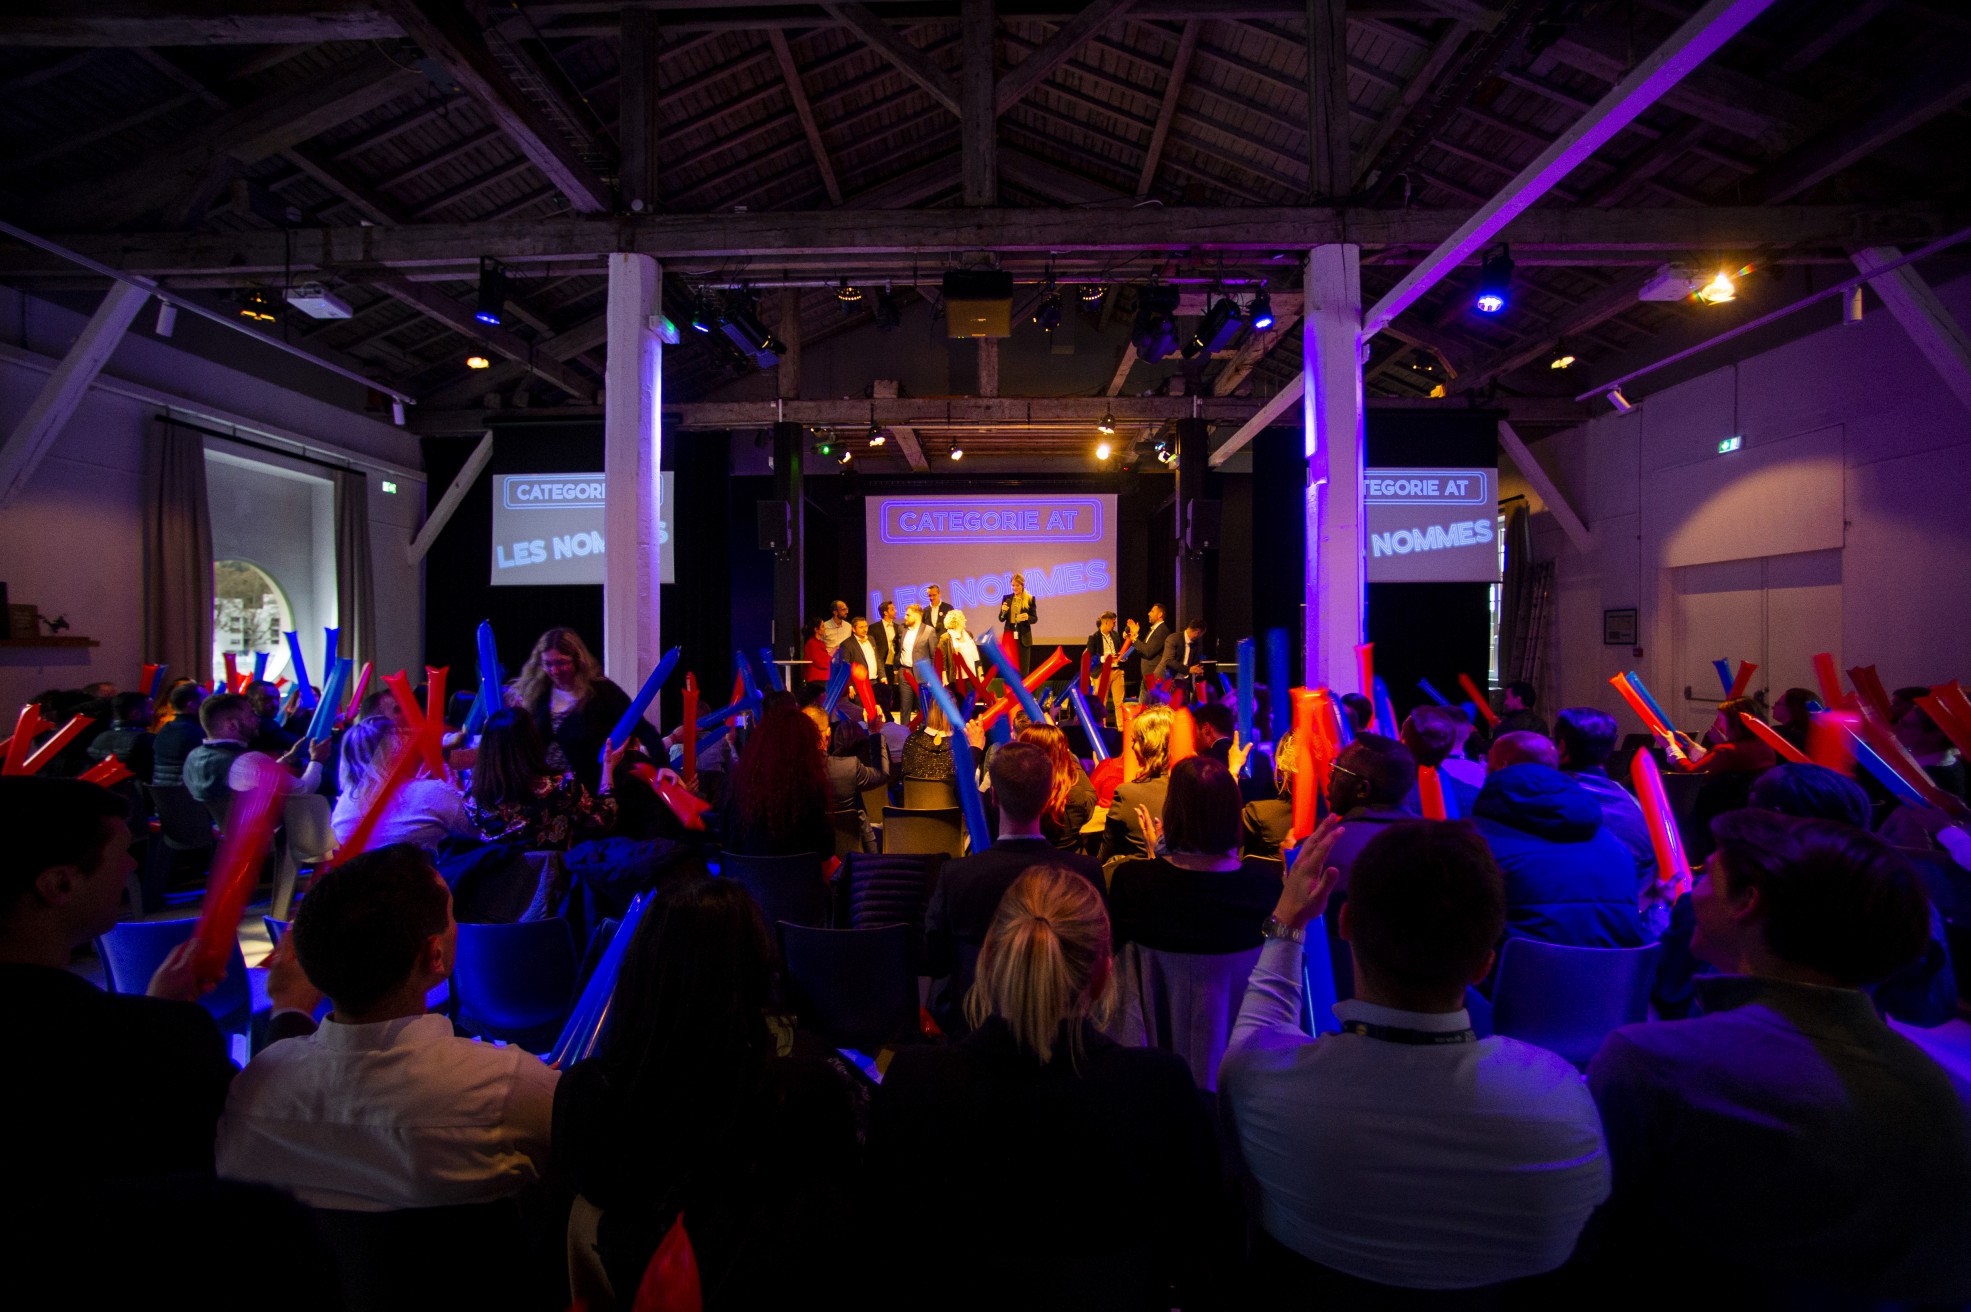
[1730, 444]
[389, 486]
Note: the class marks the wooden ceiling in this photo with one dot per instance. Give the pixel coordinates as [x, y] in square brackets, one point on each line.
[213, 143]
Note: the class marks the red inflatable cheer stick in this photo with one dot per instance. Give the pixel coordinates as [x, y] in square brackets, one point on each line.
[1479, 699]
[1869, 684]
[1306, 781]
[1830, 683]
[108, 772]
[865, 693]
[26, 730]
[49, 750]
[1430, 792]
[1955, 722]
[1131, 767]
[670, 1283]
[1108, 672]
[1365, 661]
[249, 836]
[690, 726]
[1183, 736]
[355, 707]
[403, 767]
[1672, 867]
[1766, 734]
[1744, 679]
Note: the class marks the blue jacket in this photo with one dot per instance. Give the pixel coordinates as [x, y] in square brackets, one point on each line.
[1568, 880]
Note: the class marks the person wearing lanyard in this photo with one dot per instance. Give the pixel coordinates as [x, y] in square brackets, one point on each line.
[1018, 611]
[1405, 1151]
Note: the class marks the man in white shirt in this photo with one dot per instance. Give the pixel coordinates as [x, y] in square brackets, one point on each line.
[225, 763]
[1405, 1151]
[384, 1109]
[835, 630]
[862, 651]
[887, 634]
[918, 642]
[1105, 642]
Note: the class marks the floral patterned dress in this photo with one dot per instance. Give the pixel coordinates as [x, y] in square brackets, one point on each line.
[560, 812]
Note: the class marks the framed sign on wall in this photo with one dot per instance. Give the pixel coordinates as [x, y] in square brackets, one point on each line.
[1618, 628]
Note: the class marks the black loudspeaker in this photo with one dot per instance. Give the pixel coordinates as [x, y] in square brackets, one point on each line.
[776, 526]
[1202, 524]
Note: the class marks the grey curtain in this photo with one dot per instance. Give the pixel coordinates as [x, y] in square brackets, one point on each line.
[355, 588]
[177, 552]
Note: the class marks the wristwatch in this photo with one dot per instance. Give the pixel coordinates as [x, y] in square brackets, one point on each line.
[1274, 927]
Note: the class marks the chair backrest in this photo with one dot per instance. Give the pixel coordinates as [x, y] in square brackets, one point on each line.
[133, 950]
[907, 831]
[890, 889]
[874, 801]
[848, 831]
[384, 1259]
[930, 794]
[1568, 999]
[515, 982]
[1182, 1002]
[854, 987]
[183, 819]
[790, 888]
[309, 835]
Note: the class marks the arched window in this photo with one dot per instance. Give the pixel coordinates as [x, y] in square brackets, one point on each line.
[250, 613]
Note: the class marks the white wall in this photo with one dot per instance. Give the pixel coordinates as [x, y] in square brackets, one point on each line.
[1856, 463]
[71, 542]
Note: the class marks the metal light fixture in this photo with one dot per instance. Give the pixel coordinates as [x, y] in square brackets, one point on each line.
[846, 291]
[1494, 280]
[1718, 291]
[1851, 306]
[492, 292]
[1216, 330]
[1103, 450]
[1623, 405]
[477, 362]
[1260, 312]
[257, 306]
[1107, 426]
[1562, 358]
[1048, 315]
[957, 451]
[167, 318]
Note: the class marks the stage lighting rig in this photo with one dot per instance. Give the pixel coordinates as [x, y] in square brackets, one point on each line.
[888, 317]
[1048, 314]
[1260, 312]
[1155, 332]
[1216, 330]
[491, 307]
[1494, 280]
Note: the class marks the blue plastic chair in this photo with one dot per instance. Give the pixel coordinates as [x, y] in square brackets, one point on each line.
[515, 982]
[1568, 999]
[856, 988]
[790, 888]
[132, 952]
[276, 929]
[589, 1019]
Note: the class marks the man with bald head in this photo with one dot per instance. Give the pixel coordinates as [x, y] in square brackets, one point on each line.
[1568, 879]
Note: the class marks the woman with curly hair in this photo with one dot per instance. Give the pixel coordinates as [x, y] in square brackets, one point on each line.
[780, 791]
[1071, 800]
[573, 705]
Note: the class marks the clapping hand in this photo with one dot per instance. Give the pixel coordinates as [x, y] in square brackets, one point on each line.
[1312, 880]
[1237, 754]
[1152, 828]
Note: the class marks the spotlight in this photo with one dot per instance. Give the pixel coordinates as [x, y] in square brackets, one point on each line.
[704, 315]
[846, 292]
[957, 452]
[167, 318]
[1261, 311]
[1092, 292]
[492, 292]
[744, 330]
[1562, 358]
[825, 448]
[1494, 280]
[1048, 316]
[1623, 405]
[877, 436]
[1851, 308]
[1107, 427]
[1155, 332]
[888, 317]
[1718, 291]
[1221, 323]
[1166, 453]
[843, 456]
[477, 362]
[257, 306]
[1103, 450]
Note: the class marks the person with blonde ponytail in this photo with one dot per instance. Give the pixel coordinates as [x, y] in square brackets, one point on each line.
[1082, 1172]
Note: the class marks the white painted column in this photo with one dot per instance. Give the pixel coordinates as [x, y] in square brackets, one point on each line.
[1331, 410]
[632, 453]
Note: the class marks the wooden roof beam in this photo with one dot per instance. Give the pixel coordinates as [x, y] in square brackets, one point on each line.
[192, 22]
[1173, 90]
[1055, 50]
[908, 59]
[455, 315]
[790, 73]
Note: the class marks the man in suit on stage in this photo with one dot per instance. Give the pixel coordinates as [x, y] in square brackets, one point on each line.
[1106, 642]
[1017, 612]
[1193, 654]
[935, 607]
[1158, 647]
[887, 636]
[916, 643]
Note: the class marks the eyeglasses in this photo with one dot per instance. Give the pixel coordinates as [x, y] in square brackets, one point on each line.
[1339, 768]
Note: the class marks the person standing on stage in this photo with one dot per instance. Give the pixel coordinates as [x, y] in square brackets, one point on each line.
[862, 649]
[935, 608]
[915, 643]
[1158, 649]
[836, 628]
[887, 634]
[1102, 644]
[958, 645]
[1189, 667]
[1017, 612]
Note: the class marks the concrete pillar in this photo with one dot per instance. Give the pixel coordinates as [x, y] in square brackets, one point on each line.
[632, 453]
[1331, 408]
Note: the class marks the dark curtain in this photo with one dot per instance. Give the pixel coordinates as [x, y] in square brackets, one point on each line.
[177, 552]
[355, 586]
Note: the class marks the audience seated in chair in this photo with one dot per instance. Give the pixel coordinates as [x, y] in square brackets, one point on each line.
[780, 791]
[100, 1086]
[176, 738]
[516, 798]
[849, 774]
[1366, 787]
[1406, 1151]
[1568, 880]
[1070, 797]
[129, 738]
[1198, 894]
[1584, 739]
[968, 891]
[1149, 736]
[384, 1108]
[219, 766]
[1788, 1141]
[700, 1106]
[1434, 734]
[1079, 1172]
[1267, 822]
[423, 813]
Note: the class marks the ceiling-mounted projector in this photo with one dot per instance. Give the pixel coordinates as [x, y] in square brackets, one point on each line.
[318, 302]
[1672, 282]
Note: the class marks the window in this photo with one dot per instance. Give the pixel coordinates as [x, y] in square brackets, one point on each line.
[250, 613]
[1498, 592]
